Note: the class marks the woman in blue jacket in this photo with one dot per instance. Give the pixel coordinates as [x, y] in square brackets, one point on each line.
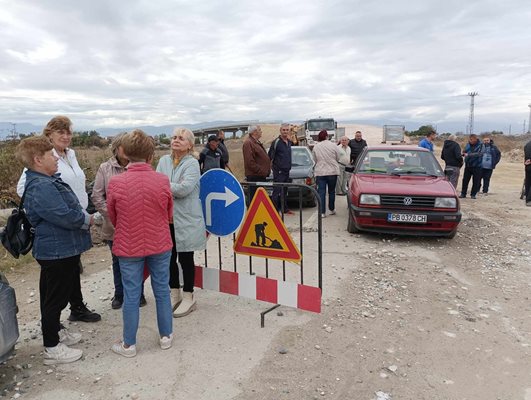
[61, 235]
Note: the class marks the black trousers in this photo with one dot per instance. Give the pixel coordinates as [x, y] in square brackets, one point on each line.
[475, 174]
[486, 174]
[528, 183]
[280, 194]
[55, 287]
[186, 259]
[254, 188]
[76, 297]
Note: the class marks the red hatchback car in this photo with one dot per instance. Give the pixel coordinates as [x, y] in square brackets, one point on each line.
[401, 190]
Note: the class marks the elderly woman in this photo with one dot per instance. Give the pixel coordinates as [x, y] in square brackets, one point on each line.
[113, 166]
[344, 160]
[139, 205]
[61, 235]
[188, 228]
[326, 155]
[59, 132]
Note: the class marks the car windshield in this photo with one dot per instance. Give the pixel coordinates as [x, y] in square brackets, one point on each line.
[317, 125]
[400, 162]
[300, 156]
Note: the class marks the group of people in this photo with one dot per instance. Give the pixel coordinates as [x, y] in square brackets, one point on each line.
[479, 158]
[151, 220]
[330, 162]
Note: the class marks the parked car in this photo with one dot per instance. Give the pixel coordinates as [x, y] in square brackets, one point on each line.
[401, 190]
[8, 319]
[301, 172]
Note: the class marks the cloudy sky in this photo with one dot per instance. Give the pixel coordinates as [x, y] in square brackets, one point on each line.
[157, 62]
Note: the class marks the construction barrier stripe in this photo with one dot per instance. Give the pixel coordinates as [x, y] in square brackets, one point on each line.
[289, 294]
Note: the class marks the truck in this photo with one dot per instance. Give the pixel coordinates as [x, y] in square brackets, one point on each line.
[393, 133]
[309, 131]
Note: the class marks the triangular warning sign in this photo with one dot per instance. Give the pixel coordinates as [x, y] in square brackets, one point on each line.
[263, 234]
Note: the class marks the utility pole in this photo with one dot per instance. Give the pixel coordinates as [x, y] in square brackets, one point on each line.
[471, 117]
[14, 133]
[529, 120]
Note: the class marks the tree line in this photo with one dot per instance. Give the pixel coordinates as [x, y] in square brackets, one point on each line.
[425, 129]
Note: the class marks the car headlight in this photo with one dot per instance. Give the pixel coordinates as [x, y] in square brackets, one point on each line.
[301, 181]
[371, 199]
[445, 202]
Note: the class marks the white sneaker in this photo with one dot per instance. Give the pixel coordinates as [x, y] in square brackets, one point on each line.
[119, 348]
[176, 298]
[333, 212]
[165, 342]
[323, 215]
[69, 338]
[186, 306]
[61, 354]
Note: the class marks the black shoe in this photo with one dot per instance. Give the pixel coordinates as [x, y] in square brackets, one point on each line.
[462, 196]
[473, 196]
[83, 314]
[117, 302]
[143, 301]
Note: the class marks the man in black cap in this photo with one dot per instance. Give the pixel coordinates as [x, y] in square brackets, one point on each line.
[211, 157]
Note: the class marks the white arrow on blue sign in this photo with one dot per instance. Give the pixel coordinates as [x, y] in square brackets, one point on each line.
[223, 201]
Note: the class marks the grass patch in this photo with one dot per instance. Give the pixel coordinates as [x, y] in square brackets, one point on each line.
[8, 263]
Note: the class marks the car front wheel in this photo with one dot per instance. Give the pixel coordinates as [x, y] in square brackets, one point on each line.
[351, 226]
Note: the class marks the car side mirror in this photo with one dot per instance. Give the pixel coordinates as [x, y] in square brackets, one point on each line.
[349, 169]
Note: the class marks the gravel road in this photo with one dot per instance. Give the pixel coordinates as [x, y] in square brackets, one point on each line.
[402, 318]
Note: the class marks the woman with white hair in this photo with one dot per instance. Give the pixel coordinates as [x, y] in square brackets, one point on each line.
[344, 160]
[188, 226]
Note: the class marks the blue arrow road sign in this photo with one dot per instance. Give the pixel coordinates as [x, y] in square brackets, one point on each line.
[223, 201]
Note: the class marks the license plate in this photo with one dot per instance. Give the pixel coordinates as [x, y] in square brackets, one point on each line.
[408, 218]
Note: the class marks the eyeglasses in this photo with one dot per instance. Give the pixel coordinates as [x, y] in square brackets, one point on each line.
[63, 132]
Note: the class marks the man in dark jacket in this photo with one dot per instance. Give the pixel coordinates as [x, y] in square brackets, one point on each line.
[451, 154]
[473, 158]
[527, 163]
[223, 148]
[211, 157]
[280, 155]
[491, 156]
[356, 147]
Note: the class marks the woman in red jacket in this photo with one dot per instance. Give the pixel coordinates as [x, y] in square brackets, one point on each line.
[140, 204]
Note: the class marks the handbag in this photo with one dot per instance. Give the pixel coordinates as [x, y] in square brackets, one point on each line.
[17, 236]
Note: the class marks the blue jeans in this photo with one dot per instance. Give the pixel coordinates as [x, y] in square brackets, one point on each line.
[322, 183]
[117, 276]
[132, 269]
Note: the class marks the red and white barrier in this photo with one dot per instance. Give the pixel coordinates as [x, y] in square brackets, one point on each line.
[289, 294]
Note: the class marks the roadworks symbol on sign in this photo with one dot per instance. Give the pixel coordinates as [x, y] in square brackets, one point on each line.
[263, 234]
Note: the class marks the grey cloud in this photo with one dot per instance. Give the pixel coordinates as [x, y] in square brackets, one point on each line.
[186, 62]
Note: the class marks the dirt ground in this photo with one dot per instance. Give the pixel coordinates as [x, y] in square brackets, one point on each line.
[402, 318]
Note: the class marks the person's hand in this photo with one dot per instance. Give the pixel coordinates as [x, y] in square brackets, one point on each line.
[91, 220]
[527, 162]
[465, 154]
